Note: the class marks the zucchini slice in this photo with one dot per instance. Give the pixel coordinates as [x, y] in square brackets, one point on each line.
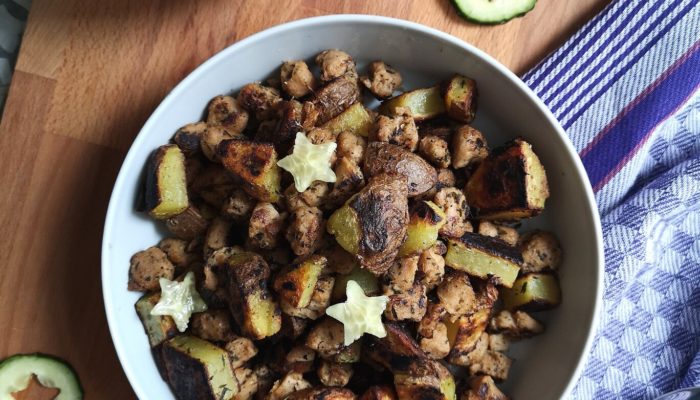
[491, 12]
[484, 257]
[51, 372]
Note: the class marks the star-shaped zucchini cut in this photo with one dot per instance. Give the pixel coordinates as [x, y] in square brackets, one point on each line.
[359, 314]
[309, 162]
[179, 300]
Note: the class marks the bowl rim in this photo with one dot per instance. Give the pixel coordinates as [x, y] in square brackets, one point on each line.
[362, 19]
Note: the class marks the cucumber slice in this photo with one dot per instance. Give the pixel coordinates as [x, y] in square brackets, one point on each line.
[493, 11]
[51, 372]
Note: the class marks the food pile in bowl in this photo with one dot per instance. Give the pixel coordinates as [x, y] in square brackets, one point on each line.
[320, 249]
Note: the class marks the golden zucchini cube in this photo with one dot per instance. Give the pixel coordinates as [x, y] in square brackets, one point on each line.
[198, 369]
[533, 292]
[297, 285]
[424, 103]
[166, 184]
[255, 164]
[510, 184]
[484, 257]
[355, 119]
[459, 94]
[425, 220]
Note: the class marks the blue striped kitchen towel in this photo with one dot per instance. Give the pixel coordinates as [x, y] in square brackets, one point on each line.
[625, 88]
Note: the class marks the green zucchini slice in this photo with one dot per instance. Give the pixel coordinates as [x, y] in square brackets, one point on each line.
[492, 12]
[51, 372]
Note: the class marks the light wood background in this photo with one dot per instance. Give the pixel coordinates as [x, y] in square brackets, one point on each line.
[88, 76]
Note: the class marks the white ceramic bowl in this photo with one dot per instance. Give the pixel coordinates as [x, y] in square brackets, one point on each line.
[545, 367]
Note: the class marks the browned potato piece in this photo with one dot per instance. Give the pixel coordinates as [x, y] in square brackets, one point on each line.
[484, 257]
[212, 325]
[334, 98]
[159, 328]
[265, 225]
[426, 379]
[379, 392]
[334, 374]
[382, 80]
[299, 359]
[424, 103]
[435, 150]
[296, 78]
[297, 285]
[198, 369]
[188, 138]
[214, 185]
[259, 99]
[510, 184]
[334, 64]
[322, 393]
[482, 387]
[464, 334]
[188, 224]
[425, 221]
[460, 95]
[468, 147]
[239, 206]
[399, 128]
[533, 292]
[255, 164]
[356, 120]
[541, 251]
[147, 267]
[240, 350]
[225, 111]
[320, 300]
[348, 180]
[250, 302]
[372, 224]
[306, 229]
[166, 185]
[384, 158]
[283, 134]
[286, 387]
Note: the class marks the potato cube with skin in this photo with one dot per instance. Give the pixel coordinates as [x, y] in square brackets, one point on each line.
[541, 251]
[166, 185]
[468, 147]
[509, 184]
[464, 334]
[259, 99]
[255, 164]
[334, 374]
[188, 224]
[240, 351]
[349, 179]
[227, 112]
[296, 286]
[355, 120]
[384, 158]
[320, 300]
[335, 97]
[147, 267]
[424, 223]
[367, 281]
[382, 80]
[533, 292]
[296, 78]
[265, 225]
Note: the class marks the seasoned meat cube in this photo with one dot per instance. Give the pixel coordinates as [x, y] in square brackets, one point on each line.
[265, 225]
[326, 338]
[379, 392]
[320, 300]
[494, 364]
[456, 294]
[290, 383]
[541, 251]
[188, 138]
[293, 327]
[399, 130]
[434, 315]
[436, 346]
[454, 204]
[320, 136]
[348, 180]
[314, 196]
[305, 232]
[499, 342]
[188, 224]
[217, 236]
[214, 325]
[482, 387]
[214, 185]
[334, 374]
[266, 378]
[474, 355]
[282, 132]
[445, 178]
[505, 233]
[225, 111]
[351, 146]
[147, 267]
[516, 325]
[468, 147]
[310, 115]
[400, 277]
[247, 383]
[431, 267]
[240, 349]
[259, 99]
[239, 206]
[334, 98]
[409, 305]
[211, 138]
[296, 78]
[300, 359]
[176, 250]
[382, 80]
[435, 150]
[334, 64]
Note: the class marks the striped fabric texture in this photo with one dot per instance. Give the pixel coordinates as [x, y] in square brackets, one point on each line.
[625, 88]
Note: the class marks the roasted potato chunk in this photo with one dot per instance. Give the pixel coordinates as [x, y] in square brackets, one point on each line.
[425, 220]
[166, 186]
[424, 103]
[459, 94]
[259, 99]
[322, 393]
[188, 224]
[355, 119]
[382, 80]
[334, 374]
[296, 78]
[334, 98]
[320, 300]
[198, 369]
[348, 180]
[250, 301]
[425, 379]
[283, 134]
[464, 334]
[255, 164]
[384, 158]
[541, 252]
[533, 292]
[484, 257]
[188, 138]
[147, 267]
[159, 328]
[372, 224]
[509, 184]
[379, 392]
[225, 111]
[297, 285]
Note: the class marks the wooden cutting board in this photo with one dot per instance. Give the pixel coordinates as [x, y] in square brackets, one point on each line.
[88, 76]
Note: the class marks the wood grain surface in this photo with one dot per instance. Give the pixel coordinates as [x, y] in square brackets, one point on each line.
[88, 76]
